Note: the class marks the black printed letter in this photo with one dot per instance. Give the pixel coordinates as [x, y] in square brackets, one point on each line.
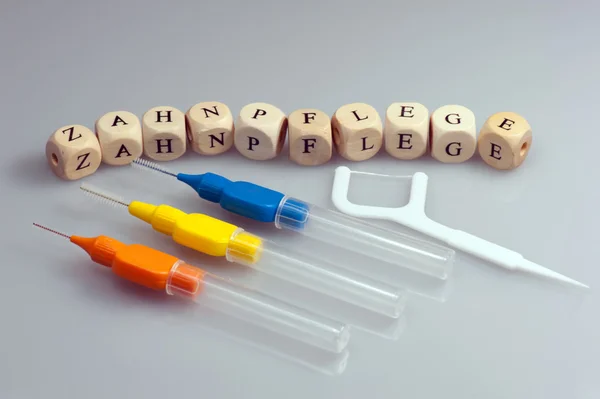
[495, 151]
[214, 138]
[364, 144]
[160, 146]
[456, 121]
[259, 112]
[358, 118]
[206, 111]
[81, 165]
[458, 149]
[70, 130]
[252, 141]
[401, 137]
[307, 118]
[122, 150]
[406, 114]
[117, 120]
[506, 126]
[308, 143]
[159, 116]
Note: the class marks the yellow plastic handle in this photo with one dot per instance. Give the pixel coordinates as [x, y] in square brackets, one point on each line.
[201, 232]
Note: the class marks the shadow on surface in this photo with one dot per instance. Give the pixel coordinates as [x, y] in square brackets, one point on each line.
[32, 171]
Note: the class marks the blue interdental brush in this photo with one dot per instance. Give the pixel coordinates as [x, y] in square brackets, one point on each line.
[334, 228]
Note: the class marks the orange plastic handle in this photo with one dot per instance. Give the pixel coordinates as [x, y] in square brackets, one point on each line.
[143, 265]
[140, 264]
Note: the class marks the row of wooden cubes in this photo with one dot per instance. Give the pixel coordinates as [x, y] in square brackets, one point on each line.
[355, 131]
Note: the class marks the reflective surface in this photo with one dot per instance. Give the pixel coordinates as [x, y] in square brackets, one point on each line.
[79, 333]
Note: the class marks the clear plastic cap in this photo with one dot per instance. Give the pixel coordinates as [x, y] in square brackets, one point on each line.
[316, 274]
[254, 307]
[355, 235]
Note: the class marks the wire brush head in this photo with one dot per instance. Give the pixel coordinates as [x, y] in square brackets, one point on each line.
[103, 196]
[147, 165]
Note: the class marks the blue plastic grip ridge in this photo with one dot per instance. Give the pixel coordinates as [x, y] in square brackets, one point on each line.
[240, 197]
[208, 185]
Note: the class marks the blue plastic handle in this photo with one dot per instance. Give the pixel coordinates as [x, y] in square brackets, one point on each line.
[240, 197]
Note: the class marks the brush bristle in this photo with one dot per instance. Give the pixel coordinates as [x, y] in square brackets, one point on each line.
[103, 196]
[151, 166]
[51, 230]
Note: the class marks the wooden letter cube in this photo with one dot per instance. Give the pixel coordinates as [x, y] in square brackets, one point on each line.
[260, 131]
[504, 140]
[163, 130]
[120, 137]
[453, 134]
[73, 152]
[406, 131]
[357, 131]
[210, 128]
[310, 138]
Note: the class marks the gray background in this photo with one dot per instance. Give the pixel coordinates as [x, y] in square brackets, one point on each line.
[69, 329]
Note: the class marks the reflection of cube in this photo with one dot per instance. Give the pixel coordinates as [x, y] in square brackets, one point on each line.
[504, 140]
[406, 130]
[73, 152]
[120, 137]
[210, 128]
[163, 130]
[309, 135]
[260, 131]
[453, 134]
[357, 131]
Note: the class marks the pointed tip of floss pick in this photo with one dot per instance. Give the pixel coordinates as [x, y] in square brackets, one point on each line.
[539, 270]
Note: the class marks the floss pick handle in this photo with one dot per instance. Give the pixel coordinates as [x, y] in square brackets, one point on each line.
[413, 216]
